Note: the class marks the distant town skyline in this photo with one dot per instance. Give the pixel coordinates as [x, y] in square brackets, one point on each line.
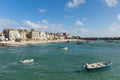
[85, 18]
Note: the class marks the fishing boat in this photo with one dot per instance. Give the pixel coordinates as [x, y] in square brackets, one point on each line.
[98, 65]
[27, 61]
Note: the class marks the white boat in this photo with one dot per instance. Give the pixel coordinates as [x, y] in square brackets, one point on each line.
[98, 65]
[27, 61]
[63, 48]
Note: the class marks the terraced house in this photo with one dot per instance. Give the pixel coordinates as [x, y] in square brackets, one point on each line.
[11, 34]
[2, 37]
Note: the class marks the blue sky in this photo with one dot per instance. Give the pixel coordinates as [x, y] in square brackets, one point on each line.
[85, 18]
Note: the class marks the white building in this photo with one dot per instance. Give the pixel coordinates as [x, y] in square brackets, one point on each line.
[35, 35]
[13, 35]
[2, 37]
[43, 36]
[23, 36]
[50, 36]
[60, 36]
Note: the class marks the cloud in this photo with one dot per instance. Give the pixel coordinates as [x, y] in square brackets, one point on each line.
[83, 30]
[114, 28]
[84, 19]
[111, 3]
[79, 23]
[118, 16]
[6, 22]
[112, 31]
[44, 21]
[74, 3]
[21, 27]
[52, 27]
[65, 16]
[42, 10]
[35, 25]
[45, 25]
[56, 28]
[79, 31]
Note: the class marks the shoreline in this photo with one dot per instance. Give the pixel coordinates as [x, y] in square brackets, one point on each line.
[36, 42]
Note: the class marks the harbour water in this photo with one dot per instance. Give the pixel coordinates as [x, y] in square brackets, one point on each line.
[51, 63]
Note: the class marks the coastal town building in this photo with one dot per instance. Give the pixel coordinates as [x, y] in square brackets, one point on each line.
[22, 34]
[11, 34]
[66, 35]
[2, 37]
[28, 35]
[43, 36]
[6, 33]
[25, 35]
[62, 35]
[50, 36]
[32, 34]
[14, 35]
[69, 36]
[35, 35]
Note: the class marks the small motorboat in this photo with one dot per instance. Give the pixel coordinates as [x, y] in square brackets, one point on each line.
[98, 65]
[63, 48]
[27, 61]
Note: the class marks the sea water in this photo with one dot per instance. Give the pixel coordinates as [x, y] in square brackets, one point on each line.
[51, 63]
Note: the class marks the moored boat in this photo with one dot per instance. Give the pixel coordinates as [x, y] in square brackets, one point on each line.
[90, 41]
[98, 65]
[27, 61]
[80, 41]
[63, 48]
[68, 41]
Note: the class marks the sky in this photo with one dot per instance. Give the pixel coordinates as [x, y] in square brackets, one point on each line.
[84, 18]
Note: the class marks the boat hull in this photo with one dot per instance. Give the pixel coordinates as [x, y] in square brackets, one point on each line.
[27, 61]
[97, 68]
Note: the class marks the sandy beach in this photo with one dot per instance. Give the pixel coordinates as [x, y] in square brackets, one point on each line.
[37, 41]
